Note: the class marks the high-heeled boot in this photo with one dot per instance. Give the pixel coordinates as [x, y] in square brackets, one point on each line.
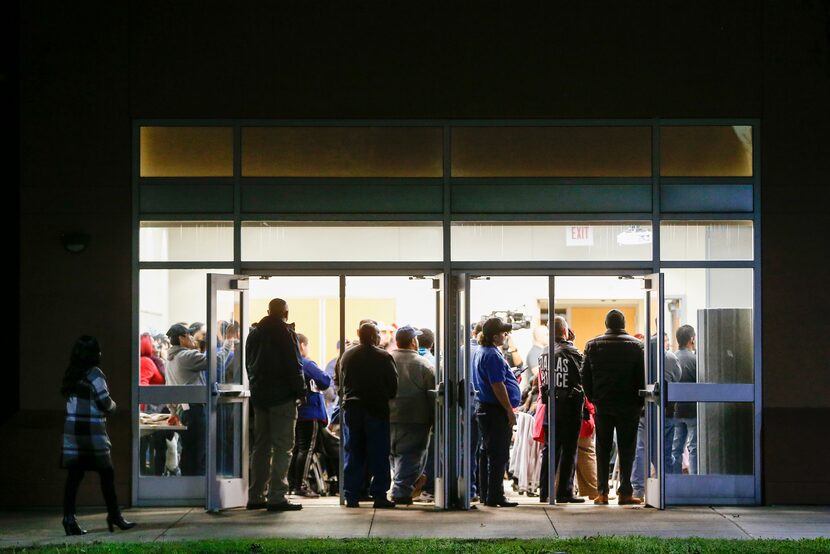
[117, 520]
[70, 525]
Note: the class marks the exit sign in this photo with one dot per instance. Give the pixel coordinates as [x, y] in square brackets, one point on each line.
[579, 235]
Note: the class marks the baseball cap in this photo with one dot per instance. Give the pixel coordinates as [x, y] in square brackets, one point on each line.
[407, 333]
[494, 326]
[177, 330]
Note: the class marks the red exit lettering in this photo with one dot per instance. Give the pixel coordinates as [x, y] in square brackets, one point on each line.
[579, 233]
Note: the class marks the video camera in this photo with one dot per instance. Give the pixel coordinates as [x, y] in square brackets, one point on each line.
[519, 320]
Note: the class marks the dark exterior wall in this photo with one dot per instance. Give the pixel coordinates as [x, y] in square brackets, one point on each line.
[89, 69]
[75, 175]
[796, 193]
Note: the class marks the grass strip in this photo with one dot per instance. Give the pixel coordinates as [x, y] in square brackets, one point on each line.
[624, 545]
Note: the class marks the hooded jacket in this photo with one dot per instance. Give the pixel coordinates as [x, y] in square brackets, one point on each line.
[185, 366]
[150, 374]
[613, 373]
[275, 368]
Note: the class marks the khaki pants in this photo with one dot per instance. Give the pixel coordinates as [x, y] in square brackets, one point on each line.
[586, 467]
[271, 456]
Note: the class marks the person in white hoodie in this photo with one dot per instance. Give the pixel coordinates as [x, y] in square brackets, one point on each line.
[187, 366]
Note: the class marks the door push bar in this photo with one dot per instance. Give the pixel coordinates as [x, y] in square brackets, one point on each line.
[651, 393]
[229, 390]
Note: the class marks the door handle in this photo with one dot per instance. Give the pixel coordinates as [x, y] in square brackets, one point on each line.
[651, 393]
[461, 396]
[229, 390]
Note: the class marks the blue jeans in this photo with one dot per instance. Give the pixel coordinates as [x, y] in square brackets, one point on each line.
[408, 455]
[365, 446]
[685, 435]
[429, 467]
[638, 472]
[474, 446]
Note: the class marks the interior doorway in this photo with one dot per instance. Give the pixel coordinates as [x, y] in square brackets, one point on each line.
[524, 301]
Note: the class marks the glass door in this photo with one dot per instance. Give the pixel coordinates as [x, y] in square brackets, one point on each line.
[227, 383]
[392, 301]
[464, 404]
[440, 429]
[655, 399]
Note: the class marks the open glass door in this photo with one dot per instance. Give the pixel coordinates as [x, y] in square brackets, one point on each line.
[653, 393]
[228, 393]
[440, 436]
[464, 404]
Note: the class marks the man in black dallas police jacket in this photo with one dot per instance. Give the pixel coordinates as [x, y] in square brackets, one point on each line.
[563, 374]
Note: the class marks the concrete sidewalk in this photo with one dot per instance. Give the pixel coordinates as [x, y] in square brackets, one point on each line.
[324, 518]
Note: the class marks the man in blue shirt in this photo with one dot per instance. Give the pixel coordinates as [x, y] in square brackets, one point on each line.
[498, 393]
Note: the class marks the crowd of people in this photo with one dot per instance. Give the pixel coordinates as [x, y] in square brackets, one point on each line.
[375, 400]
[380, 411]
[599, 413]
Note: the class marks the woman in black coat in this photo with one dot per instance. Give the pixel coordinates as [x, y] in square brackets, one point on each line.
[86, 446]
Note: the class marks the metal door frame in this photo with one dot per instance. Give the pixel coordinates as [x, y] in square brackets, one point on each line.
[342, 271]
[637, 270]
[222, 492]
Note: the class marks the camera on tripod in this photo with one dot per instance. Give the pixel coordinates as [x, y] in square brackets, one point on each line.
[518, 319]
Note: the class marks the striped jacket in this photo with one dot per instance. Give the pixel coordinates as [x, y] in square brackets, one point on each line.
[85, 441]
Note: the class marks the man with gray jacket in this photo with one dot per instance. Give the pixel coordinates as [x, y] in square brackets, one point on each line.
[187, 366]
[410, 414]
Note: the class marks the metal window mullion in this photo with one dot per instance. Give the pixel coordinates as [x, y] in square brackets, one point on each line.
[342, 318]
[551, 404]
[609, 218]
[707, 264]
[134, 319]
[705, 217]
[186, 265]
[756, 307]
[322, 218]
[655, 194]
[176, 217]
[237, 198]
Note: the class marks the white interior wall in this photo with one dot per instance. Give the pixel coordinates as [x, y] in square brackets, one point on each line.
[195, 241]
[474, 242]
[342, 243]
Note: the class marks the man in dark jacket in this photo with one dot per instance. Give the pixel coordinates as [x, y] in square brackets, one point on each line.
[563, 375]
[275, 372]
[369, 382]
[613, 373]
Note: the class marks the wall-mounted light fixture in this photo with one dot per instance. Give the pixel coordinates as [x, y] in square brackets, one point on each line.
[75, 242]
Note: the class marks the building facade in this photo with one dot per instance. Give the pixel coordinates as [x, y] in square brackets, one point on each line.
[451, 124]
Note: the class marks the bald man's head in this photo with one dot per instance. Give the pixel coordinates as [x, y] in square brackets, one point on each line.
[278, 308]
[560, 327]
[369, 334]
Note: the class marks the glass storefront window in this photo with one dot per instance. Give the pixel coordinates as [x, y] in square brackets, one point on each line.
[706, 240]
[542, 242]
[339, 242]
[710, 151]
[313, 307]
[342, 152]
[185, 241]
[171, 440]
[168, 296]
[717, 304]
[186, 151]
[551, 152]
[712, 438]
